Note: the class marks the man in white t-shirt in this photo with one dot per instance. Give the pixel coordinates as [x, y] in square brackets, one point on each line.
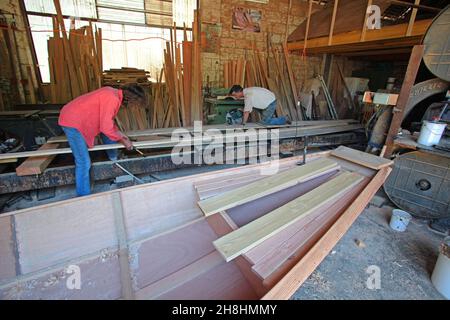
[261, 99]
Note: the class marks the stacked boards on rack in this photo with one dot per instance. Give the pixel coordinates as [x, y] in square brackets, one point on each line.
[177, 96]
[75, 60]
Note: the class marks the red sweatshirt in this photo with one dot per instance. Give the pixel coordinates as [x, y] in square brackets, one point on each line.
[93, 113]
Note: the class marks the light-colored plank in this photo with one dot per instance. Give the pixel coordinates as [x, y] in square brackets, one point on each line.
[362, 158]
[294, 241]
[254, 233]
[180, 277]
[301, 271]
[36, 165]
[165, 254]
[412, 19]
[267, 186]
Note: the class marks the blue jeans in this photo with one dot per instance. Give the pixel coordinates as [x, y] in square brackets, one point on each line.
[267, 115]
[82, 160]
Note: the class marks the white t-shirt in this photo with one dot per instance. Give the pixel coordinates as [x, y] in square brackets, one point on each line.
[259, 98]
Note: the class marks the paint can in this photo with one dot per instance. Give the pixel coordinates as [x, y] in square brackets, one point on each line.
[399, 220]
[431, 133]
[441, 273]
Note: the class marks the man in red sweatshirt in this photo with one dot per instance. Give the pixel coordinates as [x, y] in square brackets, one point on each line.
[90, 115]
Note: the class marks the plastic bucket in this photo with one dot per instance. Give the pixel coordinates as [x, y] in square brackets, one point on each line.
[400, 220]
[431, 133]
[441, 273]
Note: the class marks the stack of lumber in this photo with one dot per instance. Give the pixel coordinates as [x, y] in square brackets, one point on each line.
[234, 72]
[177, 97]
[132, 117]
[114, 77]
[75, 60]
[273, 72]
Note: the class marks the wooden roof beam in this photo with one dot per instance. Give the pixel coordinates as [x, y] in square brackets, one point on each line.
[393, 35]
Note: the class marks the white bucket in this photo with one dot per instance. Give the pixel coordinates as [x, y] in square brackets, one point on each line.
[400, 220]
[441, 273]
[431, 133]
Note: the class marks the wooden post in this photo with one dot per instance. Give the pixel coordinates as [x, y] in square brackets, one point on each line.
[307, 26]
[412, 19]
[364, 28]
[287, 26]
[408, 82]
[333, 20]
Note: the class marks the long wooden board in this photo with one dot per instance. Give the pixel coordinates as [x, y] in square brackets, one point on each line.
[284, 133]
[267, 186]
[362, 158]
[254, 233]
[293, 242]
[286, 287]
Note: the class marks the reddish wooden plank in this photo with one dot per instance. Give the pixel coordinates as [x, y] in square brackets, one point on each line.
[220, 283]
[36, 165]
[168, 253]
[301, 271]
[296, 241]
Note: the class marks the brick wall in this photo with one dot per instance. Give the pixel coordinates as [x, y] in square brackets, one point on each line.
[236, 44]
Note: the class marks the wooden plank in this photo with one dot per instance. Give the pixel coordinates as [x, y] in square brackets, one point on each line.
[223, 282]
[167, 253]
[308, 22]
[122, 239]
[71, 230]
[408, 82]
[292, 82]
[267, 186]
[254, 233]
[222, 224]
[333, 21]
[293, 242]
[364, 27]
[302, 270]
[180, 277]
[36, 165]
[253, 210]
[100, 279]
[388, 36]
[362, 158]
[285, 133]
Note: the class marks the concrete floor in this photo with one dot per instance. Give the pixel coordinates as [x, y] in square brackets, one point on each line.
[406, 260]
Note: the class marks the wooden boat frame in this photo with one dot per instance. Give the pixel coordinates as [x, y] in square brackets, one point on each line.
[113, 237]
